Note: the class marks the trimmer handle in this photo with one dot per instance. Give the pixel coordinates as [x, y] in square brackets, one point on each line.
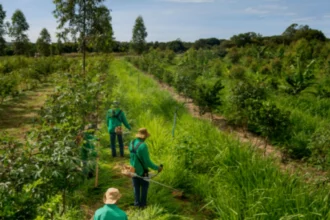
[161, 165]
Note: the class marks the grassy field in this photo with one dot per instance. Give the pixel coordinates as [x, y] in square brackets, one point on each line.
[220, 178]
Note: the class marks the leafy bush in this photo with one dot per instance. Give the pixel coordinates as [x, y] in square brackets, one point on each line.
[266, 119]
[265, 70]
[319, 146]
[206, 95]
[8, 86]
[234, 55]
[237, 72]
[300, 78]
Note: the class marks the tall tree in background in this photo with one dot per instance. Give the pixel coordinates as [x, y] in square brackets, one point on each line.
[102, 33]
[59, 46]
[138, 42]
[80, 16]
[44, 43]
[17, 30]
[2, 31]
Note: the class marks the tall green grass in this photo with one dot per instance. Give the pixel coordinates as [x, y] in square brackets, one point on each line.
[223, 178]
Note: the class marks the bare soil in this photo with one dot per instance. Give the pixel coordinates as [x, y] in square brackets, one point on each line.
[19, 115]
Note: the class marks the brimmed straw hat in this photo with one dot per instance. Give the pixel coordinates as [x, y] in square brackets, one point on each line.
[111, 196]
[142, 133]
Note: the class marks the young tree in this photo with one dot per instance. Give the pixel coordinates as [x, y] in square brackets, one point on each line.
[206, 95]
[17, 31]
[102, 33]
[59, 47]
[2, 31]
[44, 43]
[80, 16]
[138, 42]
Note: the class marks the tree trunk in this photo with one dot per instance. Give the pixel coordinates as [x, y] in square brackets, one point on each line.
[84, 40]
[63, 202]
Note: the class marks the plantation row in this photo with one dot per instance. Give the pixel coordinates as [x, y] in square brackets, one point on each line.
[20, 73]
[42, 178]
[38, 177]
[281, 93]
[214, 170]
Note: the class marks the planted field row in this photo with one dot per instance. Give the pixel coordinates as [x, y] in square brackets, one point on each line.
[286, 103]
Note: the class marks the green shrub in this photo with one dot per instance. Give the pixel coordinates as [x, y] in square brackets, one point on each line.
[237, 72]
[319, 147]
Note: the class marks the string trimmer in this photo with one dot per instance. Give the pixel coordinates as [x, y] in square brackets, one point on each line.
[175, 192]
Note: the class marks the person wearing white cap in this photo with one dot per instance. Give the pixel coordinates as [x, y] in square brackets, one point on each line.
[110, 211]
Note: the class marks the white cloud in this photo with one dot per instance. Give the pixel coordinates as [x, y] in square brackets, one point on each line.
[304, 19]
[274, 7]
[189, 1]
[251, 10]
[269, 10]
[290, 14]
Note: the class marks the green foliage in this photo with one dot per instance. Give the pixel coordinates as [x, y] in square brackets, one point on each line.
[176, 46]
[237, 72]
[268, 120]
[2, 31]
[43, 43]
[319, 146]
[88, 19]
[102, 33]
[223, 178]
[233, 55]
[301, 78]
[8, 86]
[138, 42]
[17, 31]
[206, 96]
[49, 164]
[241, 40]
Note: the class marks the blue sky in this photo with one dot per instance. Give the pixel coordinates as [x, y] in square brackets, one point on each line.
[189, 20]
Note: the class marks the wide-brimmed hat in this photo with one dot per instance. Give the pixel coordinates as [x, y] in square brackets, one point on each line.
[111, 196]
[142, 133]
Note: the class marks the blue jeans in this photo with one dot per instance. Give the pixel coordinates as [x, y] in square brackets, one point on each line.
[140, 191]
[113, 144]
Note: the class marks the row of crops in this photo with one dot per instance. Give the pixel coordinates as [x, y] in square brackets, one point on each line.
[42, 178]
[39, 177]
[222, 178]
[281, 93]
[18, 73]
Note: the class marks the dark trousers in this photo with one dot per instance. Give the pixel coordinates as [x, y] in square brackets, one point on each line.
[140, 191]
[113, 144]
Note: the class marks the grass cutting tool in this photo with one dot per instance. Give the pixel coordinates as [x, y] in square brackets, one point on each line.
[128, 172]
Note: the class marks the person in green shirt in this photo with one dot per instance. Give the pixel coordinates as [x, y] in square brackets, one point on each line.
[140, 161]
[88, 152]
[115, 118]
[110, 211]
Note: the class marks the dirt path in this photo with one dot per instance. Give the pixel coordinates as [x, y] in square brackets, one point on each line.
[18, 115]
[309, 173]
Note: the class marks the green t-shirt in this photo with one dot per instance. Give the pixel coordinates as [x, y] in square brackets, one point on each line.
[142, 153]
[110, 212]
[113, 122]
[88, 148]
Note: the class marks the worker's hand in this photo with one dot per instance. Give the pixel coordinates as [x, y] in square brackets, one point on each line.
[160, 168]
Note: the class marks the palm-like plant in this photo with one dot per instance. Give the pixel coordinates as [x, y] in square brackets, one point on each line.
[302, 77]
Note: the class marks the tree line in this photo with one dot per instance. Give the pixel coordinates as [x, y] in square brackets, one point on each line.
[88, 23]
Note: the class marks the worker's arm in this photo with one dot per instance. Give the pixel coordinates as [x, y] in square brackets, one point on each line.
[144, 154]
[124, 120]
